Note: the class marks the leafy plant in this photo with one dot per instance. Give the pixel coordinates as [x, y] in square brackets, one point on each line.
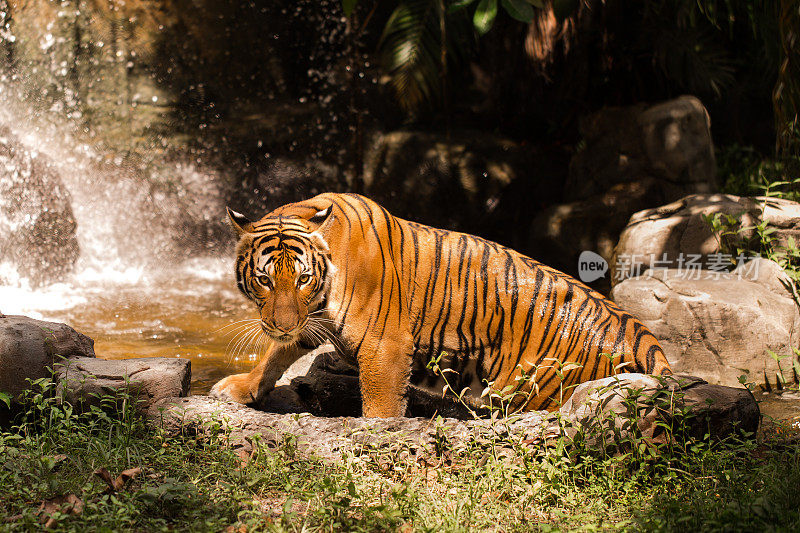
[728, 232]
[6, 399]
[425, 41]
[420, 43]
[195, 481]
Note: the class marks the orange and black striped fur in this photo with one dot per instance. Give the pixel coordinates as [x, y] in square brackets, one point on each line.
[391, 294]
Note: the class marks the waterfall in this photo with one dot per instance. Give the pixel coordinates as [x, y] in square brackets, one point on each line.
[74, 219]
[125, 131]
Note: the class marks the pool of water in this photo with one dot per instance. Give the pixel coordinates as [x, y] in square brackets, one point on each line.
[780, 406]
[193, 312]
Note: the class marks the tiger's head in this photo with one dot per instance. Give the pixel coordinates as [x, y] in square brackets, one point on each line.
[283, 266]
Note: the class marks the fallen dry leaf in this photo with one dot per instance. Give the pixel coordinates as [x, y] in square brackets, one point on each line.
[59, 457]
[116, 484]
[68, 504]
[244, 457]
[130, 473]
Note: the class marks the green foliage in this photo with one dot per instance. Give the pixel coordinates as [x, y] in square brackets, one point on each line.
[411, 50]
[194, 481]
[657, 48]
[348, 6]
[484, 16]
[425, 41]
[5, 398]
[736, 239]
[692, 57]
[744, 171]
[698, 45]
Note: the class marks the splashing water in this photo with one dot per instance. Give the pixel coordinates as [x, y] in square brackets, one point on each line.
[141, 285]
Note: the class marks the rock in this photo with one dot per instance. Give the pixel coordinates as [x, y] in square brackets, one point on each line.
[83, 381]
[37, 226]
[322, 384]
[712, 409]
[605, 407]
[718, 326]
[457, 182]
[330, 388]
[634, 157]
[30, 348]
[561, 232]
[660, 235]
[328, 438]
[319, 383]
[719, 411]
[669, 141]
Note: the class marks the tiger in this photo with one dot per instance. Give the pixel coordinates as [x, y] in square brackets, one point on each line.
[393, 295]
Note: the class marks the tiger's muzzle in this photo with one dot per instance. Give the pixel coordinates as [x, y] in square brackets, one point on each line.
[282, 334]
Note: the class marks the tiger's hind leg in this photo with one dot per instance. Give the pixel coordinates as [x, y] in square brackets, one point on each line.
[253, 386]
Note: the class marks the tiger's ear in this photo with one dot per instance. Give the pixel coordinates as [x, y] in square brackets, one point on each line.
[318, 225]
[240, 223]
[319, 218]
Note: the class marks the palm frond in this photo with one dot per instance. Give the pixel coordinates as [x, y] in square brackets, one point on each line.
[693, 60]
[411, 51]
[786, 95]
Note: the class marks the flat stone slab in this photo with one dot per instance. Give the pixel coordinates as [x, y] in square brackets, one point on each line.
[149, 379]
[596, 407]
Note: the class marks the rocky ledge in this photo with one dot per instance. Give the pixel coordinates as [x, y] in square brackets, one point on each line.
[611, 410]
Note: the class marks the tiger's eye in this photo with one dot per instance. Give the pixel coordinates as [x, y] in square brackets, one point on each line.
[265, 281]
[303, 279]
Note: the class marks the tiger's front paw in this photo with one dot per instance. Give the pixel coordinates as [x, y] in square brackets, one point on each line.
[235, 388]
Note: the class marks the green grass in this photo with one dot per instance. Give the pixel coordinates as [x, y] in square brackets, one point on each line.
[194, 482]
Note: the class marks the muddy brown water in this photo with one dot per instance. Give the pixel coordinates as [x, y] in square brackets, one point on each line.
[196, 319]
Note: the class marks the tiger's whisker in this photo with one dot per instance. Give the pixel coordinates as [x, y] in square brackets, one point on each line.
[238, 323]
[244, 341]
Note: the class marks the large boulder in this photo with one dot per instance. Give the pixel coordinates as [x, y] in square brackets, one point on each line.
[634, 157]
[29, 349]
[639, 404]
[37, 226]
[718, 325]
[457, 181]
[85, 381]
[662, 235]
[669, 141]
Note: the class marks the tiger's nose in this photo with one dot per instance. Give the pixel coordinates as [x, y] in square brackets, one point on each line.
[286, 319]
